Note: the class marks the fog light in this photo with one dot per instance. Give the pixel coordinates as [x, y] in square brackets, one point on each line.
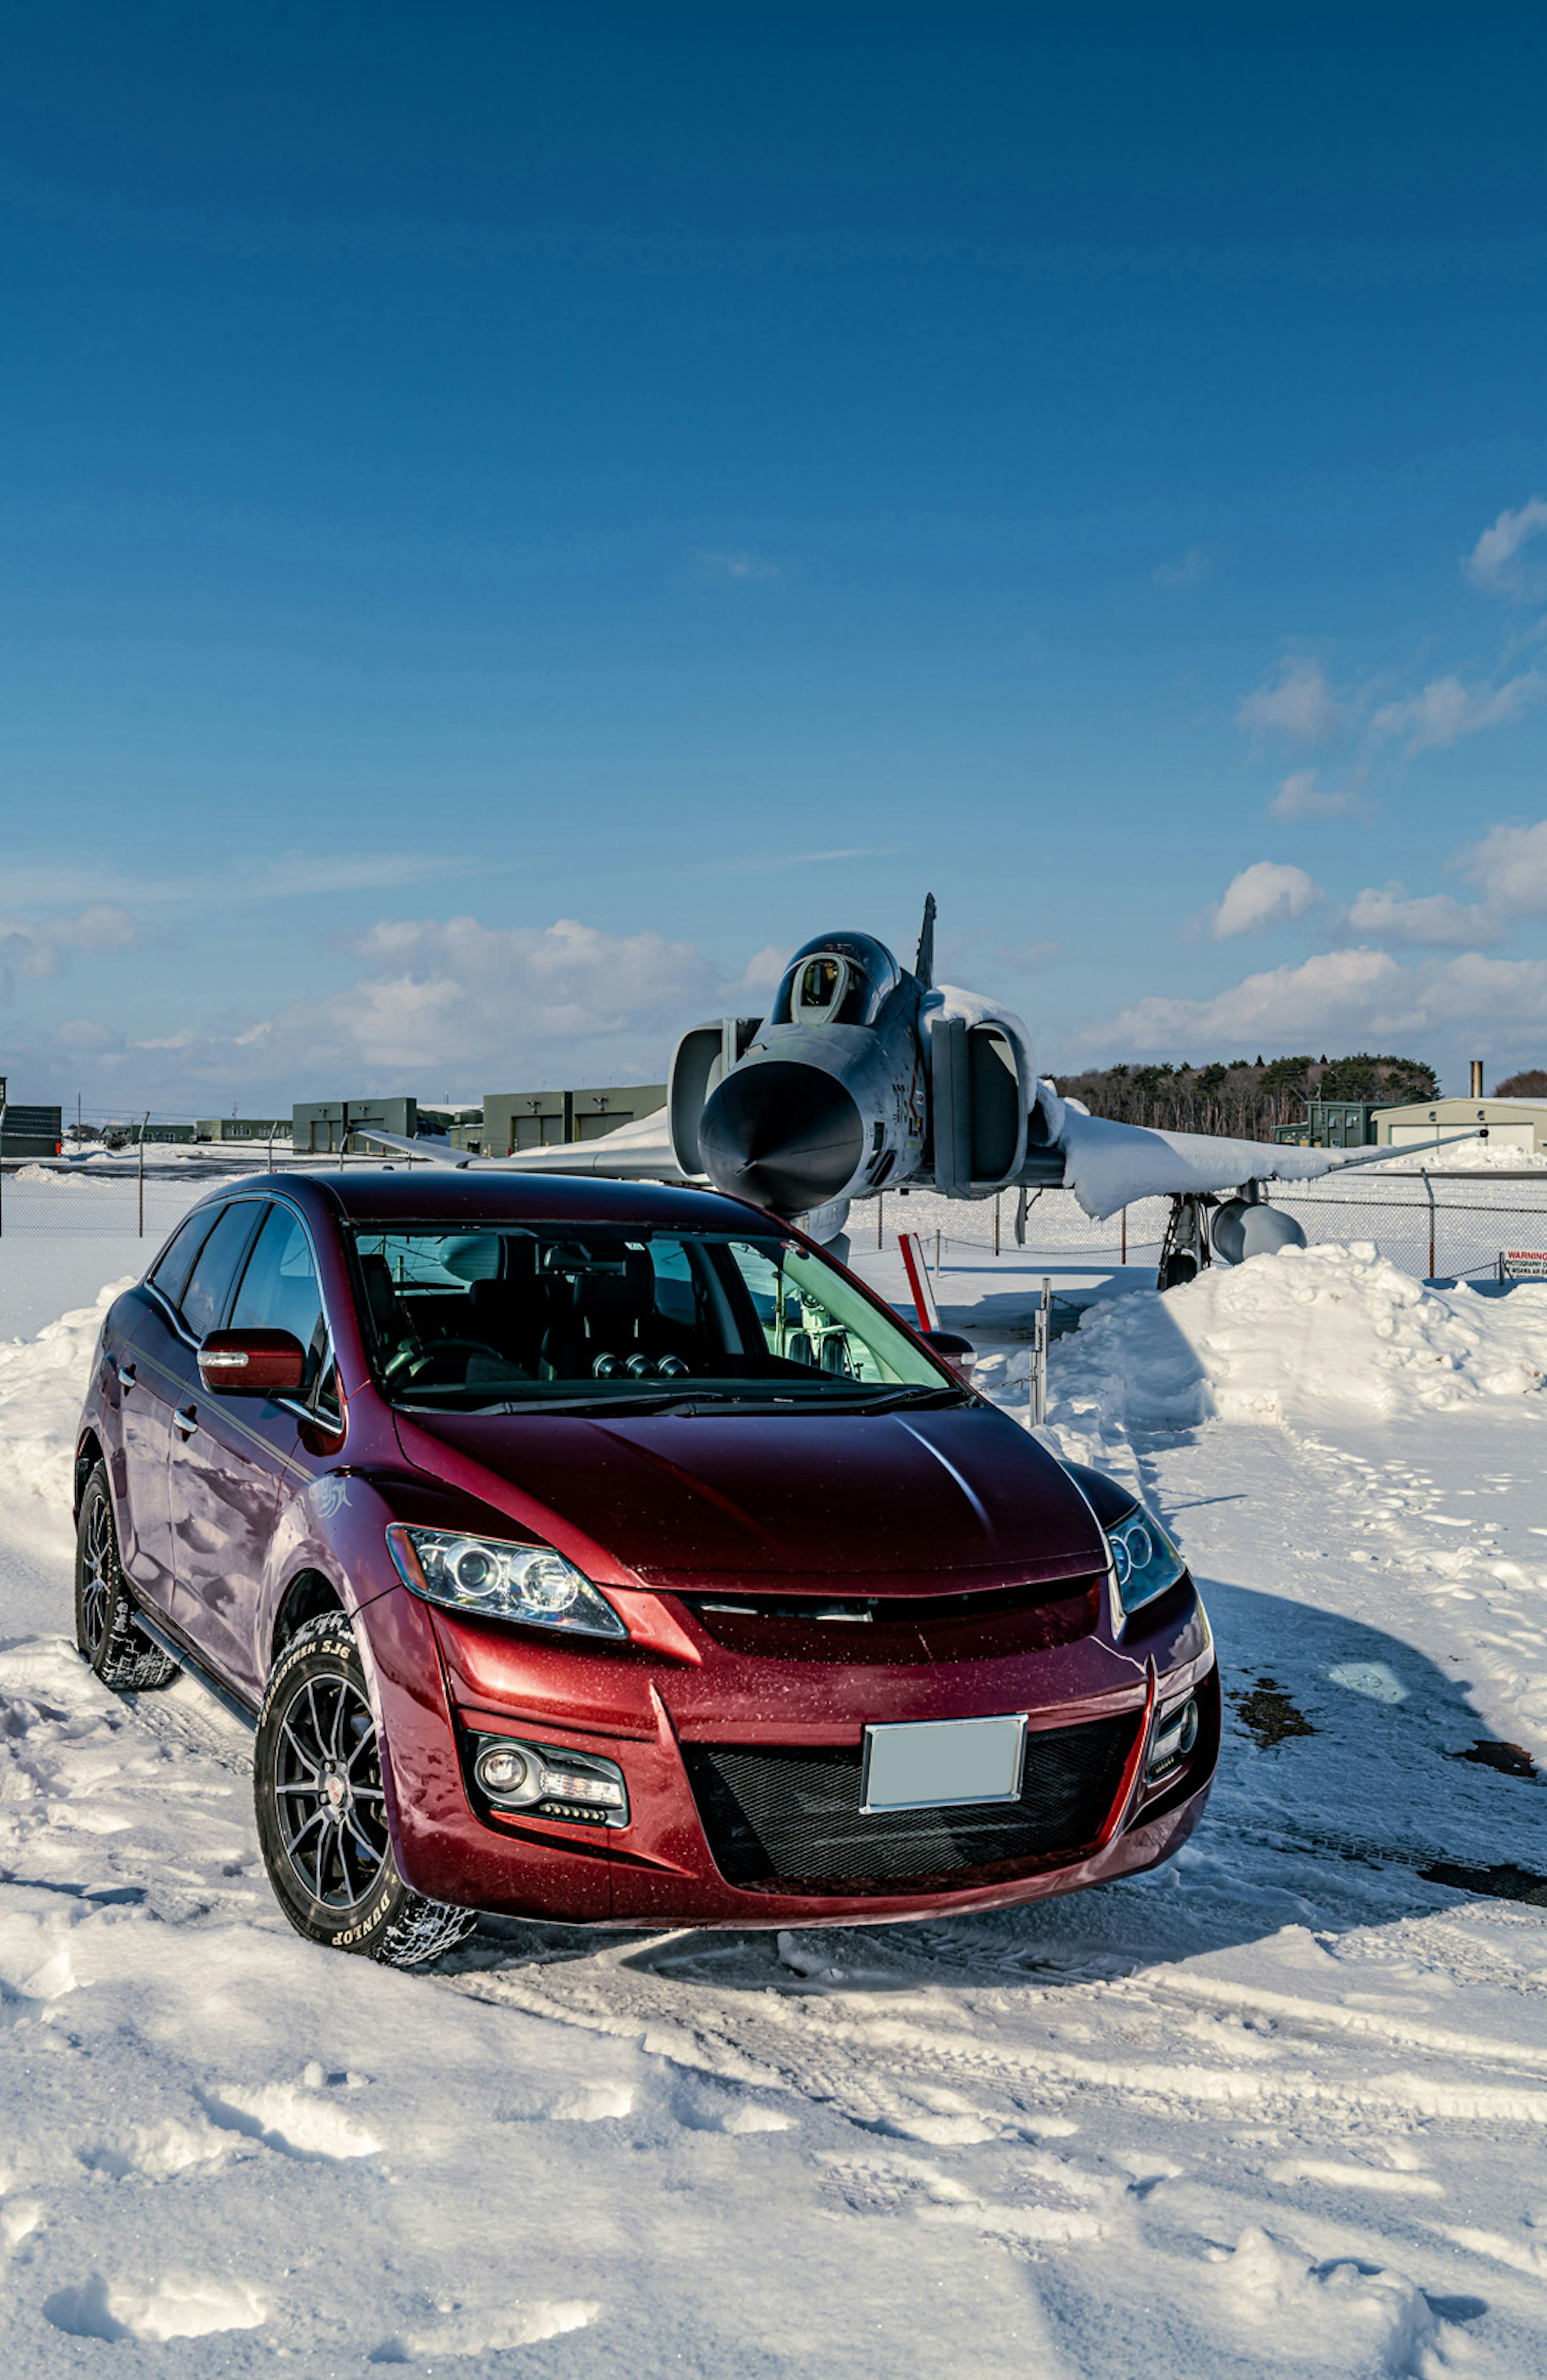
[1175, 1736]
[569, 1788]
[546, 1780]
[502, 1769]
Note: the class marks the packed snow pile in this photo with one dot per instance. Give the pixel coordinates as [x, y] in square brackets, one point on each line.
[43, 1382]
[1309, 1332]
[1466, 1157]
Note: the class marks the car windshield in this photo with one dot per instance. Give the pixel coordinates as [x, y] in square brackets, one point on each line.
[505, 1316]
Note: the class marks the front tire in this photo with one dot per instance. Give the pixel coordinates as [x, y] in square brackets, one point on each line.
[322, 1812]
[109, 1638]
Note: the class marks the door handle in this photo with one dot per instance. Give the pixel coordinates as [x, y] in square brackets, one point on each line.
[187, 1420]
[126, 1375]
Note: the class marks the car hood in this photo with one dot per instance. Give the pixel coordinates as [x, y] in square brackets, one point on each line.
[678, 1499]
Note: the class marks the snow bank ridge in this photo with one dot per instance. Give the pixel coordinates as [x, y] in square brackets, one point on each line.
[1307, 1333]
[43, 1383]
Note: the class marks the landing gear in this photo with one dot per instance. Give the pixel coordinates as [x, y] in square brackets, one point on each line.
[1185, 1250]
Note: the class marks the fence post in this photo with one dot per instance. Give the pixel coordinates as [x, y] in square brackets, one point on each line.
[936, 1255]
[3, 1105]
[1429, 1189]
[142, 1173]
[1125, 1235]
[996, 1222]
[1044, 1329]
[880, 1210]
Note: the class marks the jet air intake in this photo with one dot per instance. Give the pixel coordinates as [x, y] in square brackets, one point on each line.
[787, 1135]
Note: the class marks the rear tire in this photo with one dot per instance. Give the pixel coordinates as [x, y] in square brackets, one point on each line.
[108, 1636]
[322, 1809]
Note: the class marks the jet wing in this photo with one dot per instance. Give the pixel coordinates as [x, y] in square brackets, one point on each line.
[640, 1151]
[1109, 1165]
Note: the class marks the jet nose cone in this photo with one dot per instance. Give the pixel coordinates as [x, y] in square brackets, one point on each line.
[785, 1136]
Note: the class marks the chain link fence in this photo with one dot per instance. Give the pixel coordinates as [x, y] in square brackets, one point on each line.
[1434, 1226]
[109, 1198]
[1445, 1226]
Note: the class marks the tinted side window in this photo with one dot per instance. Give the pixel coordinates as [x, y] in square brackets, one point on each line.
[215, 1269]
[173, 1270]
[279, 1289]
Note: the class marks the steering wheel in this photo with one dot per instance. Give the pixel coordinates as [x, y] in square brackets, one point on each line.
[414, 1366]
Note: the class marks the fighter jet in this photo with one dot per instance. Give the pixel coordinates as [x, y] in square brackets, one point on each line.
[865, 1077]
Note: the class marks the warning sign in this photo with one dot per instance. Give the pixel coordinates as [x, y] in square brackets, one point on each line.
[1523, 1264]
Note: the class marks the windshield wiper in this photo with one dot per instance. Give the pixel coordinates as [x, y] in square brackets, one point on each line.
[914, 1395]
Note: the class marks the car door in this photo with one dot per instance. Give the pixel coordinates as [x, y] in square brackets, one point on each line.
[151, 1377]
[226, 1472]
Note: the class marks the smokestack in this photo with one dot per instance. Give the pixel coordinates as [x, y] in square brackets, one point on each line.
[1477, 1079]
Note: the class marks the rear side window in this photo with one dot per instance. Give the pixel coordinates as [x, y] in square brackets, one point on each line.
[171, 1272]
[279, 1289]
[215, 1269]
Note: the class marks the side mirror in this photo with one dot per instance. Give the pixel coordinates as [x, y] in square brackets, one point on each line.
[252, 1363]
[957, 1354]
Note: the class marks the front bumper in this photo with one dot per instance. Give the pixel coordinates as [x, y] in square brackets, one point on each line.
[680, 1715]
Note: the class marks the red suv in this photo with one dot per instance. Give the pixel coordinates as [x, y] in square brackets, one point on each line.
[608, 1554]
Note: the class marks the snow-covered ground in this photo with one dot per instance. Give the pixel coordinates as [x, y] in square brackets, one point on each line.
[1279, 2107]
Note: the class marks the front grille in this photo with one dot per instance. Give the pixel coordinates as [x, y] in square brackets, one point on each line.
[992, 1623]
[785, 1820]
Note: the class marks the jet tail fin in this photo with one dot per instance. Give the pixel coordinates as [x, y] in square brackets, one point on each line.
[923, 966]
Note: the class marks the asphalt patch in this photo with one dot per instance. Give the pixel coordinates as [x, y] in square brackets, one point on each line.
[1268, 1715]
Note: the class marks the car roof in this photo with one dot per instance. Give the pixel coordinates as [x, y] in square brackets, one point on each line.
[442, 1194]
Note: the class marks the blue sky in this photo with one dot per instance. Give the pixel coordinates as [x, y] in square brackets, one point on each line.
[515, 517]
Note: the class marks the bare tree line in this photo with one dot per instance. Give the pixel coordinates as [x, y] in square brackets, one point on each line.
[1246, 1097]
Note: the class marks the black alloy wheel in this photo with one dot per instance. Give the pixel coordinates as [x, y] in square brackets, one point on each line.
[109, 1638]
[323, 1810]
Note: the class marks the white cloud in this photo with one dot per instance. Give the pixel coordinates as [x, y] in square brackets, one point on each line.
[290, 875]
[441, 998]
[1510, 864]
[1447, 710]
[1300, 797]
[1362, 998]
[85, 1035]
[1389, 914]
[1296, 702]
[738, 569]
[1494, 561]
[1186, 570]
[761, 974]
[1033, 958]
[1269, 892]
[36, 948]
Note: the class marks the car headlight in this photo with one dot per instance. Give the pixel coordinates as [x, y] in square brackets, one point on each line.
[499, 1581]
[1144, 1562]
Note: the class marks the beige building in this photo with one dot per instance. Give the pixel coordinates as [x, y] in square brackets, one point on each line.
[1509, 1124]
[515, 1120]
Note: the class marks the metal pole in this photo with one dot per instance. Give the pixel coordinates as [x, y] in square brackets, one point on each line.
[996, 1223]
[936, 1255]
[3, 1105]
[1125, 1235]
[142, 1173]
[880, 1208]
[1429, 1187]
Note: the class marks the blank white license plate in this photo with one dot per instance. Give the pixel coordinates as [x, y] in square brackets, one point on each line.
[936, 1763]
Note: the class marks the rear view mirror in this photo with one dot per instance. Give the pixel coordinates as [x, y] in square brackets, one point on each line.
[957, 1354]
[252, 1363]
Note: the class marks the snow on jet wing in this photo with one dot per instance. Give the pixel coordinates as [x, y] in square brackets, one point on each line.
[1110, 1165]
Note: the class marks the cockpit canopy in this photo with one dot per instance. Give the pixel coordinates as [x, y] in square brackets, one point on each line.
[836, 979]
